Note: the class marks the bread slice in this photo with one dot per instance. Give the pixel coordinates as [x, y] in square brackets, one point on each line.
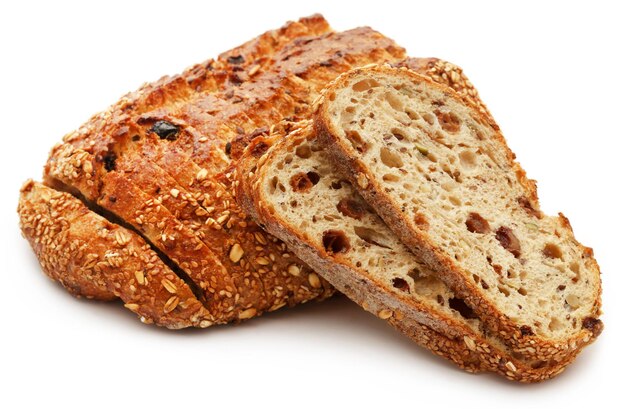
[442, 177]
[97, 259]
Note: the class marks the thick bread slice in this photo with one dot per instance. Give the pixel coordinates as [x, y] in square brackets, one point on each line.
[94, 258]
[442, 177]
[288, 184]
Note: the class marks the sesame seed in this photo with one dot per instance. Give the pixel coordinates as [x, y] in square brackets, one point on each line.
[260, 238]
[236, 252]
[202, 174]
[469, 342]
[171, 303]
[169, 286]
[249, 313]
[141, 279]
[511, 367]
[262, 261]
[314, 280]
[294, 270]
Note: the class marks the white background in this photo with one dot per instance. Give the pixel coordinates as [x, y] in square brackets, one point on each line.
[551, 74]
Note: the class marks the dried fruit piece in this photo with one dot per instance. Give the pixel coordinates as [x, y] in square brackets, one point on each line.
[351, 208]
[477, 224]
[165, 130]
[509, 241]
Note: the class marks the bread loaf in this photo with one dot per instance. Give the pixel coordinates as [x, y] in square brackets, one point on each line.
[154, 163]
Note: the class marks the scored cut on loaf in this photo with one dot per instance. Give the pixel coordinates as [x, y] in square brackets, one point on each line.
[441, 176]
[97, 259]
[287, 182]
[154, 162]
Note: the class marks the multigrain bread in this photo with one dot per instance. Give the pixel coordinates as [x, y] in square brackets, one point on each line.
[154, 162]
[287, 182]
[442, 177]
[97, 259]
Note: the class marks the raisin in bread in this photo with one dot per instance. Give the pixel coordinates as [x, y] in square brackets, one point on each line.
[440, 174]
[288, 183]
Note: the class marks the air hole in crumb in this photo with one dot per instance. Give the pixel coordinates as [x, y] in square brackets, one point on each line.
[336, 184]
[575, 268]
[399, 134]
[303, 151]
[448, 121]
[390, 158]
[390, 177]
[371, 236]
[552, 250]
[332, 96]
[429, 118]
[476, 278]
[335, 241]
[414, 274]
[412, 114]
[504, 290]
[350, 109]
[448, 186]
[401, 284]
[455, 200]
[394, 102]
[440, 299]
[294, 203]
[573, 301]
[357, 142]
[468, 159]
[303, 182]
[555, 324]
[365, 85]
[421, 221]
[522, 291]
[462, 308]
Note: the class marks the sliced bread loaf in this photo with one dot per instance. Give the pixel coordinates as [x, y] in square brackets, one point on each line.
[289, 186]
[440, 174]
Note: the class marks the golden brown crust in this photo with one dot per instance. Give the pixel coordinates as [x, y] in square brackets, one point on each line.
[95, 258]
[458, 281]
[170, 186]
[452, 339]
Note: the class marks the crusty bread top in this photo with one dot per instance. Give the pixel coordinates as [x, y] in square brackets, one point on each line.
[442, 177]
[97, 259]
[155, 160]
